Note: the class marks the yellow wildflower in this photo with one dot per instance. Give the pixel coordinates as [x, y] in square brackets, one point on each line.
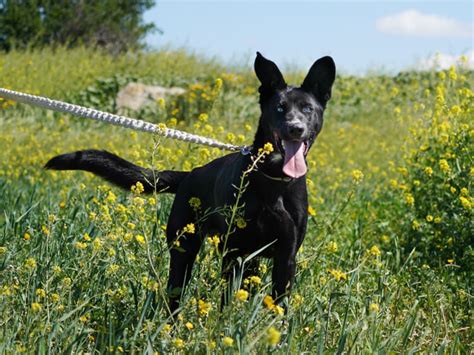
[455, 110]
[452, 73]
[393, 183]
[278, 310]
[297, 300]
[409, 199]
[112, 269]
[30, 263]
[444, 166]
[189, 228]
[374, 308]
[218, 84]
[255, 280]
[332, 247]
[55, 297]
[111, 197]
[80, 245]
[228, 342]
[189, 326]
[140, 239]
[375, 251]
[204, 307]
[311, 211]
[241, 295]
[161, 103]
[203, 117]
[415, 225]
[36, 307]
[273, 336]
[241, 223]
[214, 240]
[138, 188]
[97, 244]
[67, 281]
[167, 328]
[162, 127]
[338, 275]
[231, 137]
[429, 218]
[466, 204]
[40, 293]
[268, 302]
[3, 250]
[357, 176]
[267, 148]
[195, 203]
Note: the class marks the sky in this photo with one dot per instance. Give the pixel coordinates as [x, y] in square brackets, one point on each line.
[386, 36]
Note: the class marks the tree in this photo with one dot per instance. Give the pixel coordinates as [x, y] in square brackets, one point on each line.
[116, 25]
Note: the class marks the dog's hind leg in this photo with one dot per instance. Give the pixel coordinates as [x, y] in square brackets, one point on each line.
[184, 247]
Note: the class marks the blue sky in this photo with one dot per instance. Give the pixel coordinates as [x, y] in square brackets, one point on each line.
[361, 36]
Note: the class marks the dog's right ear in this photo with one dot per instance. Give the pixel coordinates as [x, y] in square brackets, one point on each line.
[268, 74]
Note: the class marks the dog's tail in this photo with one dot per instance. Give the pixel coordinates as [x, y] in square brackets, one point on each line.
[117, 170]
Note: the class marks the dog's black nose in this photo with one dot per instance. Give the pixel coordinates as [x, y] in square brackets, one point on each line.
[296, 130]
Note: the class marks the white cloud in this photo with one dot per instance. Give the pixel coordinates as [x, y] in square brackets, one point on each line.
[414, 23]
[444, 61]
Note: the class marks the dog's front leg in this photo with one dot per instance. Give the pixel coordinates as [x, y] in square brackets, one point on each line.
[284, 257]
[284, 267]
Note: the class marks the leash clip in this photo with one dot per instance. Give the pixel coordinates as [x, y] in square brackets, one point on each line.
[246, 150]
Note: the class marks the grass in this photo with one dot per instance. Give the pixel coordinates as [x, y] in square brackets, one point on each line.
[80, 260]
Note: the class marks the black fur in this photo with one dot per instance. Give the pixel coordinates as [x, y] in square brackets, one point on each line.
[117, 170]
[275, 205]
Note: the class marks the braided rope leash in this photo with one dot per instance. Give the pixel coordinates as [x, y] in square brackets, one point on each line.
[127, 122]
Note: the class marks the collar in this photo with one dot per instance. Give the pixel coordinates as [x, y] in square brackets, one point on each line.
[282, 179]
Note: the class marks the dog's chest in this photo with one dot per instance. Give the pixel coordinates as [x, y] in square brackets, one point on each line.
[266, 223]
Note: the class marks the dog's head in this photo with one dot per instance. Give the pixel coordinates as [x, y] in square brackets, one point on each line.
[292, 117]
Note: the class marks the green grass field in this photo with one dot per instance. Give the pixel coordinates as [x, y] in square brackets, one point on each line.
[386, 266]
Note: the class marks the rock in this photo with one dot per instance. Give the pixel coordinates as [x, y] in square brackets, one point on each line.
[135, 96]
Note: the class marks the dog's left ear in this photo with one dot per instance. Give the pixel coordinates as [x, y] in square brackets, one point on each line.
[320, 79]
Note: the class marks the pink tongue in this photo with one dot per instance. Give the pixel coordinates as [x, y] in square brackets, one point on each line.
[294, 165]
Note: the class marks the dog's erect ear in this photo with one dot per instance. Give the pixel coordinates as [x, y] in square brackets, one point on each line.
[268, 74]
[320, 79]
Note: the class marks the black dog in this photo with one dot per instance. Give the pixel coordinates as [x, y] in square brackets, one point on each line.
[275, 201]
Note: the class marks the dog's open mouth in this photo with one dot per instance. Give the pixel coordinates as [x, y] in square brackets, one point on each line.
[293, 152]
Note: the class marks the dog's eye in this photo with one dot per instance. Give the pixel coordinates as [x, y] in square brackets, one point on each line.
[280, 108]
[307, 109]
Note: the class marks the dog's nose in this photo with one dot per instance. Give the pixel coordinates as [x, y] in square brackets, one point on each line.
[296, 130]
